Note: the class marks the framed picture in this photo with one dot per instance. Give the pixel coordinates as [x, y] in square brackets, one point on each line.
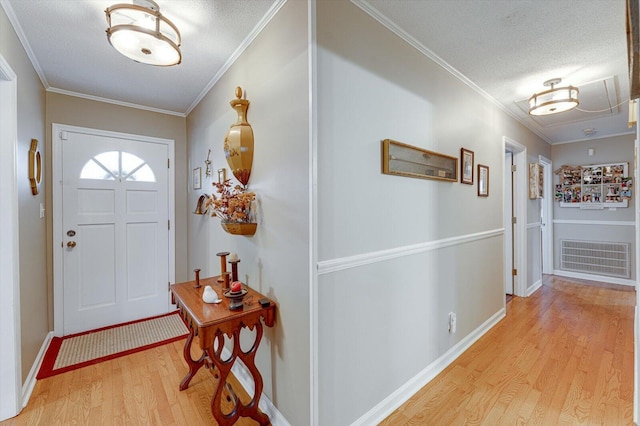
[197, 178]
[222, 175]
[401, 159]
[466, 166]
[483, 180]
[536, 181]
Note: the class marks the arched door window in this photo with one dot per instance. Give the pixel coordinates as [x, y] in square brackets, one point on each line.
[114, 165]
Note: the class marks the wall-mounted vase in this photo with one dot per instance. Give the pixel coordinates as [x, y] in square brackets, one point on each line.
[238, 143]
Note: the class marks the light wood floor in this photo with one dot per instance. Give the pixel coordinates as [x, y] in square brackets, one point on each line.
[137, 389]
[563, 356]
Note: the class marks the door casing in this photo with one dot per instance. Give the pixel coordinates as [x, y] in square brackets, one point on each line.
[57, 132]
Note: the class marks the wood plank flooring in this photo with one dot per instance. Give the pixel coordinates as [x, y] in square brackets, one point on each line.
[137, 389]
[563, 356]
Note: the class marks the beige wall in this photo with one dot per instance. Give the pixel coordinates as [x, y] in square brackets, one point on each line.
[33, 249]
[397, 254]
[273, 71]
[74, 111]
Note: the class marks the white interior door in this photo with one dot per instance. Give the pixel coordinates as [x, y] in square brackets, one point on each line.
[508, 222]
[114, 230]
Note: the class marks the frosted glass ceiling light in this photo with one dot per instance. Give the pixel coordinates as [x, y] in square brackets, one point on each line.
[140, 32]
[554, 100]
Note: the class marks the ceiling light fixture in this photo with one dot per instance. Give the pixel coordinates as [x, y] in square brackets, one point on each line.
[554, 100]
[140, 32]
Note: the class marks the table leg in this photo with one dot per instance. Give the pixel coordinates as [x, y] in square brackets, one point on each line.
[194, 365]
[224, 366]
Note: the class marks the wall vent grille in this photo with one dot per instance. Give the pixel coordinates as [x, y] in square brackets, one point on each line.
[591, 257]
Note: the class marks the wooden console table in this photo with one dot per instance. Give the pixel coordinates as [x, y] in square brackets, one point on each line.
[210, 322]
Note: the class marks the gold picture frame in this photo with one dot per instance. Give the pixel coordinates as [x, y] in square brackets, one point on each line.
[401, 159]
[35, 167]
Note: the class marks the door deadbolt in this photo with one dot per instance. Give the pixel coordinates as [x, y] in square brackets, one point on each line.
[71, 233]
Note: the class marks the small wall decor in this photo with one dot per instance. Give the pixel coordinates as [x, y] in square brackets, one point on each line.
[483, 180]
[405, 160]
[466, 166]
[238, 144]
[197, 178]
[222, 175]
[35, 167]
[536, 181]
[207, 163]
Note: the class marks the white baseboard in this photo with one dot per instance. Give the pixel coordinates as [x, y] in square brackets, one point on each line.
[242, 373]
[406, 391]
[30, 383]
[534, 287]
[602, 278]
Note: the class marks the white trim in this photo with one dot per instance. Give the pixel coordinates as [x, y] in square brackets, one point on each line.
[334, 265]
[594, 222]
[114, 102]
[10, 346]
[31, 380]
[15, 23]
[520, 212]
[590, 277]
[594, 138]
[534, 287]
[56, 159]
[243, 375]
[236, 54]
[546, 229]
[381, 18]
[314, 333]
[534, 225]
[401, 395]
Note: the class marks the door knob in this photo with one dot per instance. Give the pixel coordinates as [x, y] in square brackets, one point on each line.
[71, 244]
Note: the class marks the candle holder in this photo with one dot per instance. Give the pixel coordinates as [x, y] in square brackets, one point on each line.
[223, 264]
[234, 269]
[197, 285]
[225, 281]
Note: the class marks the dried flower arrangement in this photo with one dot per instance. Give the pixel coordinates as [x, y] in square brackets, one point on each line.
[231, 204]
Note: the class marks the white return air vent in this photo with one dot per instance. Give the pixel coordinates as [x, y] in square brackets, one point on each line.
[592, 257]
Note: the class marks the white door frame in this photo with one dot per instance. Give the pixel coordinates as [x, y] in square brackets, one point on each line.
[520, 209]
[547, 206]
[56, 158]
[508, 215]
[10, 353]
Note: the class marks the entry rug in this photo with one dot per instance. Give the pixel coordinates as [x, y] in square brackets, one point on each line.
[91, 347]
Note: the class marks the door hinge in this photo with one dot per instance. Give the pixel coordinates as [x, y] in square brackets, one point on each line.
[513, 168]
[169, 225]
[514, 272]
[514, 220]
[169, 285]
[168, 163]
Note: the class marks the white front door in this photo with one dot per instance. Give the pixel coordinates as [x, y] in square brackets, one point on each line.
[114, 230]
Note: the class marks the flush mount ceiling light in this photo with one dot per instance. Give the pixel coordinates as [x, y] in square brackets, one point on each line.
[140, 32]
[554, 100]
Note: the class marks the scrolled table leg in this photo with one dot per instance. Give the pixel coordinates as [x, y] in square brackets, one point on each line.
[194, 365]
[224, 367]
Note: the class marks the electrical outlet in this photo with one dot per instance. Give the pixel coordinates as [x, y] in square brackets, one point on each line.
[452, 322]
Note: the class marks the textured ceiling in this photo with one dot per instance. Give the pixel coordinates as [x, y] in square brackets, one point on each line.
[504, 49]
[509, 48]
[69, 44]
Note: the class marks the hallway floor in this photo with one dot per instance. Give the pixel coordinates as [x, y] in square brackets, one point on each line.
[562, 356]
